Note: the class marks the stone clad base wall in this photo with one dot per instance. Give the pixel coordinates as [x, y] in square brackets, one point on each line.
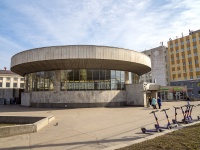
[78, 99]
[135, 95]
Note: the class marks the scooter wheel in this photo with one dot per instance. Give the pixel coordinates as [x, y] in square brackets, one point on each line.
[173, 121]
[156, 126]
[198, 117]
[160, 130]
[143, 130]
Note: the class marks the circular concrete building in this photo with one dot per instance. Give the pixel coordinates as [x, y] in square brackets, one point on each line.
[79, 75]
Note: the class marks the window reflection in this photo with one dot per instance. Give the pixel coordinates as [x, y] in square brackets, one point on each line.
[75, 80]
[40, 81]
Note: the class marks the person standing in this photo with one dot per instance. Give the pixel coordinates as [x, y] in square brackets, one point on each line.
[149, 101]
[159, 101]
[188, 100]
[154, 103]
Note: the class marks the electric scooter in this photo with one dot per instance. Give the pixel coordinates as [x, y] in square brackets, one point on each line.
[175, 121]
[144, 130]
[169, 125]
[185, 114]
[190, 115]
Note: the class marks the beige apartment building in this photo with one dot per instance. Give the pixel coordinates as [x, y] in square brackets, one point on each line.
[184, 58]
[8, 79]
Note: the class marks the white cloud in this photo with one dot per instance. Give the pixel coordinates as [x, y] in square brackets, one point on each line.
[132, 24]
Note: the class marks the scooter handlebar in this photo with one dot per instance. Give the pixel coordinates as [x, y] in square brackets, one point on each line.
[176, 107]
[153, 111]
[165, 109]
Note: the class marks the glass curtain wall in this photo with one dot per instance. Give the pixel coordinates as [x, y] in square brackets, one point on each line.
[92, 79]
[40, 81]
[78, 79]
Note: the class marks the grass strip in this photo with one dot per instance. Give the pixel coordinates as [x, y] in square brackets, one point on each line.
[187, 138]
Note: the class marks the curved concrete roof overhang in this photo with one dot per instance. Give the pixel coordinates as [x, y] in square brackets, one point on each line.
[80, 57]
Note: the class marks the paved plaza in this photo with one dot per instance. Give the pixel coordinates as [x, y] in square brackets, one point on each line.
[86, 128]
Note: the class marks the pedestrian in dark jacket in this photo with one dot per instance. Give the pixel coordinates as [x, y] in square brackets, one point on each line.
[159, 101]
[149, 101]
[188, 100]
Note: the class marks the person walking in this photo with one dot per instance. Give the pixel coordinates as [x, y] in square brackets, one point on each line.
[159, 101]
[188, 100]
[154, 103]
[149, 101]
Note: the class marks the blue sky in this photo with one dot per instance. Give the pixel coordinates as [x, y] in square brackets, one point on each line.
[131, 24]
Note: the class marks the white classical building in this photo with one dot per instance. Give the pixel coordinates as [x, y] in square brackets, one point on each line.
[8, 80]
[81, 76]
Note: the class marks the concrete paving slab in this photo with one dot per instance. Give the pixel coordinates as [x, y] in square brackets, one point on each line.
[87, 128]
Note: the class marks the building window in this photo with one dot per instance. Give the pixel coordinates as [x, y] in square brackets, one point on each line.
[199, 92]
[176, 51]
[21, 85]
[189, 55]
[182, 43]
[191, 69]
[194, 39]
[195, 54]
[7, 84]
[22, 79]
[198, 76]
[176, 44]
[15, 78]
[196, 61]
[187, 41]
[197, 69]
[183, 57]
[7, 78]
[1, 78]
[184, 71]
[14, 85]
[177, 58]
[194, 47]
[171, 46]
[184, 63]
[191, 77]
[0, 84]
[182, 49]
[188, 48]
[190, 63]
